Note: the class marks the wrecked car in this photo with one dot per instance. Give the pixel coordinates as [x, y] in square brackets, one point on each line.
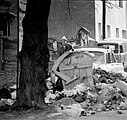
[104, 59]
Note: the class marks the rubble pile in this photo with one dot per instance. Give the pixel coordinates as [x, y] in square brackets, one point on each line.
[109, 93]
[7, 97]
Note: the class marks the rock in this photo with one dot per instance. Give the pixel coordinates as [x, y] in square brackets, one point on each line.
[124, 74]
[102, 85]
[83, 113]
[84, 105]
[122, 86]
[99, 107]
[78, 98]
[49, 96]
[106, 94]
[5, 102]
[80, 88]
[65, 102]
[123, 105]
[73, 110]
[119, 112]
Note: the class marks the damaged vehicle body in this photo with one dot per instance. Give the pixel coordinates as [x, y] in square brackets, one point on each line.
[120, 48]
[104, 59]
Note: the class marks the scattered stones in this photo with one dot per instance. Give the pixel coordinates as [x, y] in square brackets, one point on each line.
[119, 112]
[109, 93]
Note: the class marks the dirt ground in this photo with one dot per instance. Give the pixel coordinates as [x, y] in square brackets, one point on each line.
[52, 115]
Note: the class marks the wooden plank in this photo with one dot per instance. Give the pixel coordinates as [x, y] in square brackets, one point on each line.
[72, 67]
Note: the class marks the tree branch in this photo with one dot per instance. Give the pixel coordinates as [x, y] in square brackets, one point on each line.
[68, 8]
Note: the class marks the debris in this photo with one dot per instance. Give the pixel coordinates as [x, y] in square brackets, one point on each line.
[73, 110]
[119, 112]
[100, 107]
[83, 114]
[123, 105]
[4, 102]
[65, 102]
[54, 114]
[122, 86]
[109, 93]
[106, 94]
[102, 85]
[13, 87]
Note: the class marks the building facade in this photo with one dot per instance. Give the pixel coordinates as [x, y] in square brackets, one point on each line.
[115, 19]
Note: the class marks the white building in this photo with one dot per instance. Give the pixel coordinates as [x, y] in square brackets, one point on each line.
[22, 6]
[116, 19]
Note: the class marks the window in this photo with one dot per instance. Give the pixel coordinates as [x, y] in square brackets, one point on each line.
[99, 57]
[108, 59]
[116, 49]
[125, 47]
[117, 32]
[121, 49]
[108, 31]
[99, 28]
[120, 3]
[124, 34]
[113, 60]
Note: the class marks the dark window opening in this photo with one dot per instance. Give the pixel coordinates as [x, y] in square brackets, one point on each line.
[121, 3]
[121, 49]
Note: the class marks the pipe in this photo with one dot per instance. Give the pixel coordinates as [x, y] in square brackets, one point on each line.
[103, 18]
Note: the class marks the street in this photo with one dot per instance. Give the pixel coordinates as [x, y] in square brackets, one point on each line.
[111, 115]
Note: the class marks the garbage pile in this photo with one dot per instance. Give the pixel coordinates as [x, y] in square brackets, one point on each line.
[7, 97]
[109, 93]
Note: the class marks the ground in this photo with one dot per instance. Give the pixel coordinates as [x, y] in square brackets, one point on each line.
[52, 115]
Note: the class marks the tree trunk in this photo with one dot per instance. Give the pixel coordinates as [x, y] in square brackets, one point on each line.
[34, 56]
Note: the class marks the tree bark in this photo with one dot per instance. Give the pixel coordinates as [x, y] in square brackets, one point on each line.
[34, 56]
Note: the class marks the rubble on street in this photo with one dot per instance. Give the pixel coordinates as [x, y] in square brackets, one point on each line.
[7, 97]
[109, 93]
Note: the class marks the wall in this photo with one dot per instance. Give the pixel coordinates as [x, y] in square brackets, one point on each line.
[9, 69]
[21, 16]
[115, 18]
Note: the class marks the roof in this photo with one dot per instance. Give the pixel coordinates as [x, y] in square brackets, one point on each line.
[63, 38]
[85, 30]
[93, 49]
[71, 40]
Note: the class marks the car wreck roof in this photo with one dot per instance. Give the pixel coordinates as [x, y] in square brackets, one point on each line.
[93, 49]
